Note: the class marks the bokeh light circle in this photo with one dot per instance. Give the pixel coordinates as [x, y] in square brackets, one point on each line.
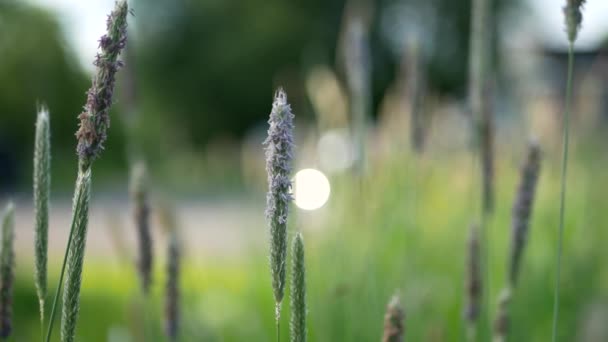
[311, 189]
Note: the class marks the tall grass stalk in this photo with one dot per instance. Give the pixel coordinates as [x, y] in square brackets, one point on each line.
[394, 328]
[298, 291]
[42, 184]
[7, 271]
[357, 67]
[76, 199]
[479, 104]
[562, 196]
[279, 156]
[91, 135]
[573, 18]
[478, 71]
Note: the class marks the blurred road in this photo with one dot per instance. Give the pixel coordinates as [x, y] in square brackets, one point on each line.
[218, 229]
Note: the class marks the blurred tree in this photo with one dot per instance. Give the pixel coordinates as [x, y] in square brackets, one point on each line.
[212, 65]
[35, 67]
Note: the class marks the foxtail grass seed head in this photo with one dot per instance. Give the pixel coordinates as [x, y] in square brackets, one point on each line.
[172, 291]
[75, 261]
[394, 328]
[522, 208]
[7, 271]
[42, 184]
[298, 291]
[141, 218]
[473, 282]
[95, 119]
[501, 322]
[573, 18]
[279, 155]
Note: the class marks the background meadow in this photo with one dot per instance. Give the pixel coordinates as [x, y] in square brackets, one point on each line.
[193, 101]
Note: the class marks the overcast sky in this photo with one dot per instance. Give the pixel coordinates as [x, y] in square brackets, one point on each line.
[83, 23]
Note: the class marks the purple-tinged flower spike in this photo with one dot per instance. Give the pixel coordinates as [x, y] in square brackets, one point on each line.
[573, 18]
[522, 208]
[279, 156]
[141, 218]
[95, 119]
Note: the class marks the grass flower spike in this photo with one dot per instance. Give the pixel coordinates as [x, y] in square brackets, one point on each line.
[393, 321]
[95, 120]
[473, 282]
[75, 260]
[573, 18]
[141, 214]
[501, 323]
[279, 155]
[298, 291]
[7, 271]
[42, 184]
[522, 209]
[172, 289]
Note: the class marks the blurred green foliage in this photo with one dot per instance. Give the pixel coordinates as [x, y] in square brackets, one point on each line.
[35, 67]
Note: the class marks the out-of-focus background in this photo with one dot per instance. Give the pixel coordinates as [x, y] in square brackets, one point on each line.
[193, 101]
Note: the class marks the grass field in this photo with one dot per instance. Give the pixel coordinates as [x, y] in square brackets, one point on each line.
[402, 228]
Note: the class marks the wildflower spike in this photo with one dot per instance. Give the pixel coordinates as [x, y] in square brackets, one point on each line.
[279, 155]
[95, 119]
[42, 183]
[298, 291]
